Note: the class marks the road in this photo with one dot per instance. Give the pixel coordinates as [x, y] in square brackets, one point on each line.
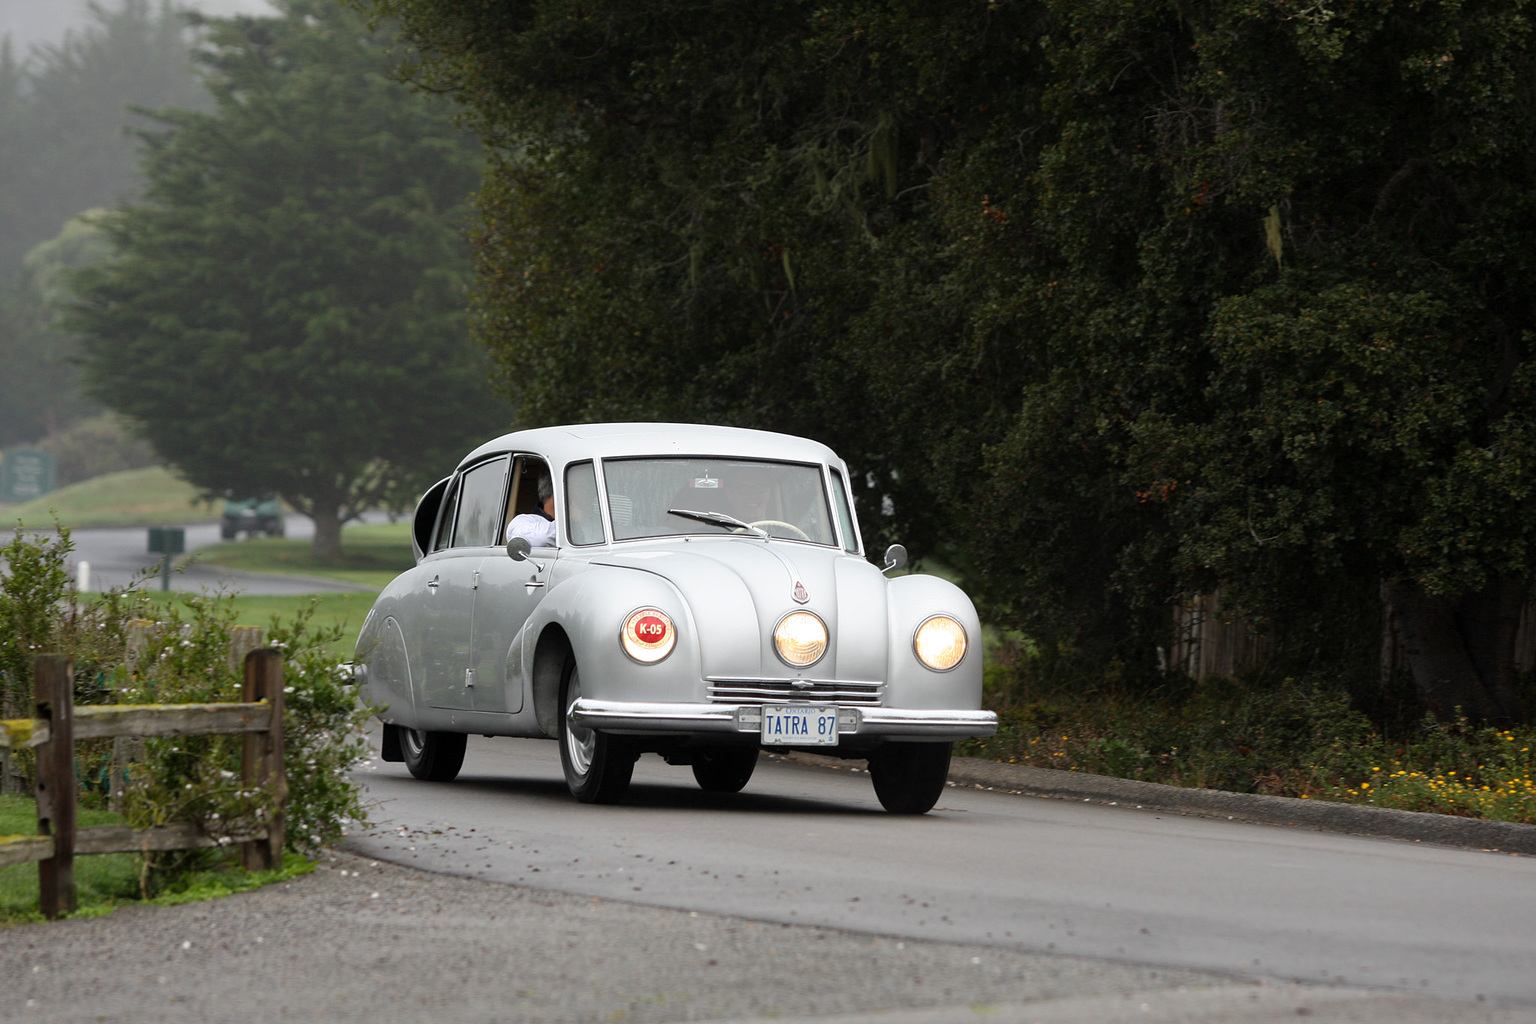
[806, 845]
[119, 556]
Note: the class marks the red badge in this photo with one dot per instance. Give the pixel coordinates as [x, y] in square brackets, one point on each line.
[651, 630]
[800, 593]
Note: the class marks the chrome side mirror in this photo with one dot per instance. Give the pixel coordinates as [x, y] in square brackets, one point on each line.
[518, 548]
[895, 558]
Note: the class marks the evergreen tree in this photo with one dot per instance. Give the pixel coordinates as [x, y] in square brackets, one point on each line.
[284, 309]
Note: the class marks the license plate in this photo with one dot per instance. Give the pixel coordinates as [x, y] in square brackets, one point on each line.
[795, 726]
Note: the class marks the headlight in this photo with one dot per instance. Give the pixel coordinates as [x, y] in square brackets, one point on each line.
[800, 639]
[940, 643]
[648, 635]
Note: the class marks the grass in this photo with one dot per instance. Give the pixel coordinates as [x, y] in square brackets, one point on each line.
[104, 881]
[344, 610]
[371, 555]
[1284, 738]
[107, 881]
[135, 497]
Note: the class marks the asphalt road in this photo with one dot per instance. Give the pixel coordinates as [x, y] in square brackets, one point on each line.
[119, 556]
[807, 845]
[611, 916]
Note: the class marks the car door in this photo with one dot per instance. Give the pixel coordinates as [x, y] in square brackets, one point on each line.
[508, 591]
[448, 676]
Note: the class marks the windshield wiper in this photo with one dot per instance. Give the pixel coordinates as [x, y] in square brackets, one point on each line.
[717, 519]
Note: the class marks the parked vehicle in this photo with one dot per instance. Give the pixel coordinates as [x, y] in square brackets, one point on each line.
[706, 597]
[251, 516]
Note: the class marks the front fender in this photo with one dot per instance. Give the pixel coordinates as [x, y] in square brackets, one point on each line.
[581, 617]
[911, 684]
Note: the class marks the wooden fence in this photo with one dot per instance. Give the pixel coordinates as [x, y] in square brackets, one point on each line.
[1209, 640]
[59, 723]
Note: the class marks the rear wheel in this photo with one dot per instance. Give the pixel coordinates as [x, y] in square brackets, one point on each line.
[433, 756]
[724, 769]
[598, 766]
[909, 777]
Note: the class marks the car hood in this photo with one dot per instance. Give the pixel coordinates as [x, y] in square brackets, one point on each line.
[737, 589]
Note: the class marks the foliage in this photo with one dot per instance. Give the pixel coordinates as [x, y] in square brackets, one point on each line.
[96, 446]
[182, 656]
[39, 382]
[1148, 298]
[129, 648]
[34, 583]
[284, 308]
[64, 108]
[1292, 737]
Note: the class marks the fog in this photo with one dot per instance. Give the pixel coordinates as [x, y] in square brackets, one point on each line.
[30, 22]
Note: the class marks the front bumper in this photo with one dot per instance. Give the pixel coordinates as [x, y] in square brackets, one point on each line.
[639, 718]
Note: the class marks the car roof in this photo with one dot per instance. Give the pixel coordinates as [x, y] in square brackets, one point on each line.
[565, 444]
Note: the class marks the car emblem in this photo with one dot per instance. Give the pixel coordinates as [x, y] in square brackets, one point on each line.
[800, 594]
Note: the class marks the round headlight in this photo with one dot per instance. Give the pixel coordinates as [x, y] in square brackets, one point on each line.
[648, 635]
[800, 639]
[940, 643]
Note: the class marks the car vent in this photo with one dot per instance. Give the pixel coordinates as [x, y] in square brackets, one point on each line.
[731, 690]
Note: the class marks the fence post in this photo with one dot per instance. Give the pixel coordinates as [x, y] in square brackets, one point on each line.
[54, 690]
[261, 762]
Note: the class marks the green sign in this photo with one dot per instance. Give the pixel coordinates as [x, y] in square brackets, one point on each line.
[26, 473]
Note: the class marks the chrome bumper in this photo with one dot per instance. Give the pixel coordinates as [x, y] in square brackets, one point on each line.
[638, 717]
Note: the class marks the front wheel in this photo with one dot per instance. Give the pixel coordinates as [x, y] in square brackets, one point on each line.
[909, 777]
[597, 766]
[724, 769]
[433, 756]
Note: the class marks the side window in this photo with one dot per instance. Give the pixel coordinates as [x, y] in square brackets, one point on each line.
[445, 518]
[480, 494]
[583, 520]
[844, 513]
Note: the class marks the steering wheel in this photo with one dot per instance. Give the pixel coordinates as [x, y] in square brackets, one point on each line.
[791, 527]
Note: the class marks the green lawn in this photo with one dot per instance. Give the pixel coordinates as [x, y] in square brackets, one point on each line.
[344, 610]
[371, 555]
[104, 880]
[136, 497]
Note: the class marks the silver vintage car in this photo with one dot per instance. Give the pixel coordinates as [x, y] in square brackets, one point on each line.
[698, 592]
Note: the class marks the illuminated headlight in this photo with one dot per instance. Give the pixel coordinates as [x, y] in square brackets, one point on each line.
[940, 643]
[648, 635]
[800, 639]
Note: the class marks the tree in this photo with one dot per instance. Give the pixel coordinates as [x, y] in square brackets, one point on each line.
[65, 110]
[284, 310]
[1110, 303]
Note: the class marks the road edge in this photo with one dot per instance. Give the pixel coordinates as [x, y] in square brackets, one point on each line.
[1356, 819]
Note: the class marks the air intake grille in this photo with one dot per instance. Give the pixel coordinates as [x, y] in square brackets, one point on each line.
[724, 690]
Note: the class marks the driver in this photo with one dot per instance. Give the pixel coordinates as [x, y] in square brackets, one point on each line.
[537, 526]
[750, 495]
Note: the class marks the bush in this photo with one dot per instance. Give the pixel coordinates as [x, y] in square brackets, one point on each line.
[1288, 737]
[128, 649]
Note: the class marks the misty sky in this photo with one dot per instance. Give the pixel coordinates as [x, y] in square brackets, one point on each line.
[45, 21]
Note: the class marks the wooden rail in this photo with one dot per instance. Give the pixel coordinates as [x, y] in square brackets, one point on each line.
[59, 724]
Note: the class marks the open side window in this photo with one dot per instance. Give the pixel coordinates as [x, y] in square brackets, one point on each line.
[527, 471]
[482, 489]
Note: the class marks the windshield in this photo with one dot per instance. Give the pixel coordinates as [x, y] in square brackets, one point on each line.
[782, 499]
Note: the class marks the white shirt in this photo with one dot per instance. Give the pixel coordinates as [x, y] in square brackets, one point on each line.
[539, 531]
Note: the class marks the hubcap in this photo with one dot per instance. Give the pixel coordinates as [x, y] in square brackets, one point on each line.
[579, 742]
[415, 742]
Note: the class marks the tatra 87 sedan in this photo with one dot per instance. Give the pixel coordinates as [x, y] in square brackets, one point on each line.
[698, 592]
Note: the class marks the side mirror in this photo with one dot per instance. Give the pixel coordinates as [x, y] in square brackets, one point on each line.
[518, 548]
[895, 558]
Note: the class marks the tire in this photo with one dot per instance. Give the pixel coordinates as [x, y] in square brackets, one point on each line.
[598, 766]
[433, 756]
[724, 769]
[226, 532]
[909, 777]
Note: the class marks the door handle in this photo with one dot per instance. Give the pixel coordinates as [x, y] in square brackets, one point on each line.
[433, 584]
